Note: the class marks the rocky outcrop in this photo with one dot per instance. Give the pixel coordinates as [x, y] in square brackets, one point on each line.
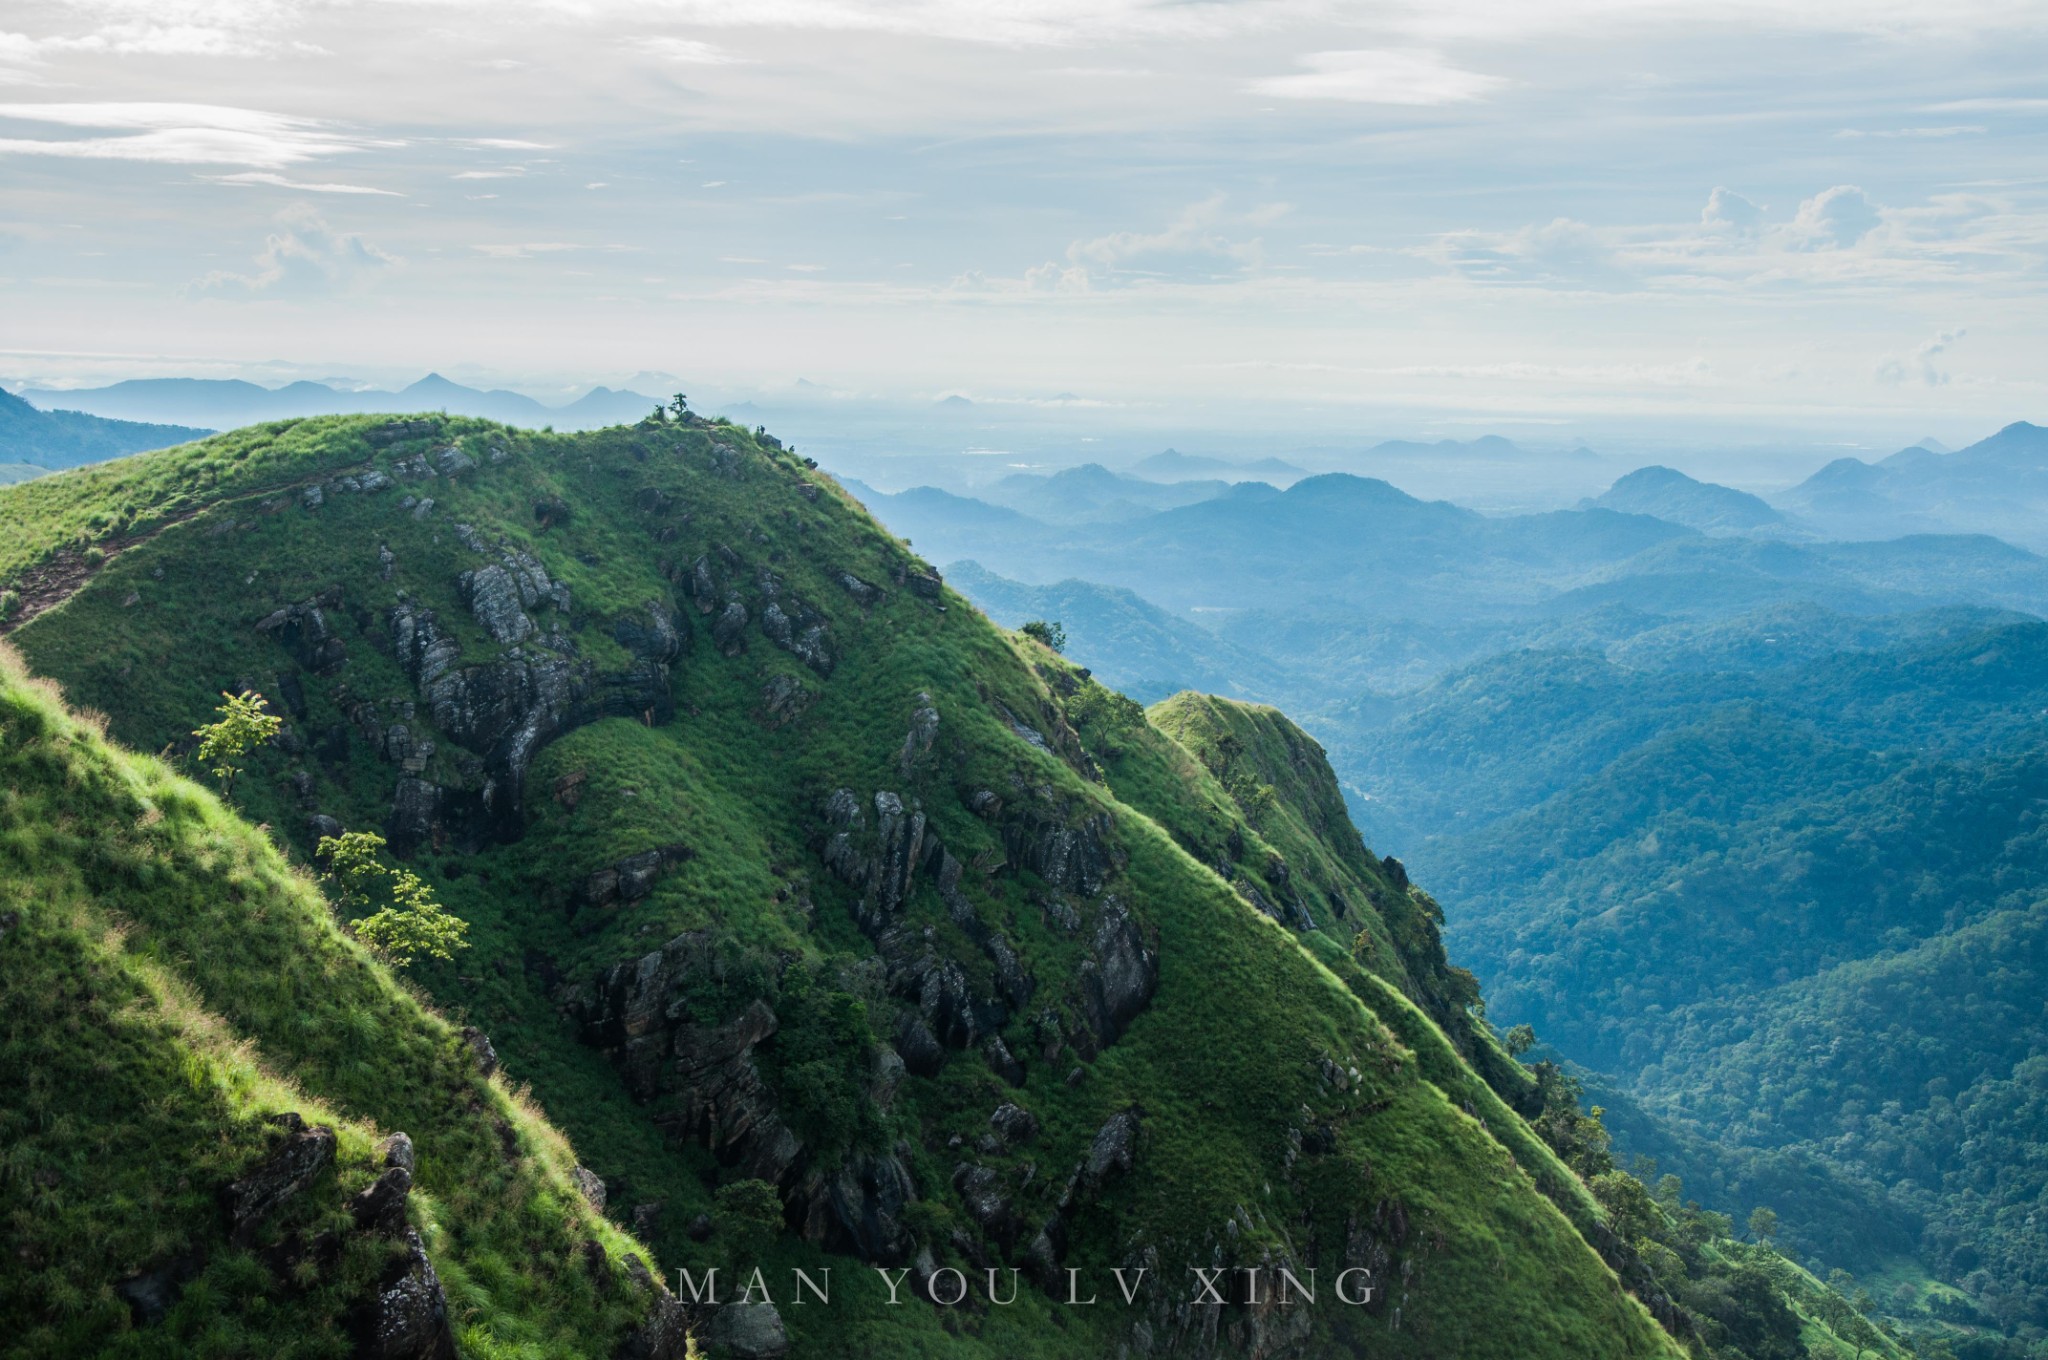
[589, 1185]
[1117, 980]
[407, 1317]
[747, 1331]
[858, 1208]
[306, 630]
[703, 1078]
[632, 878]
[305, 1153]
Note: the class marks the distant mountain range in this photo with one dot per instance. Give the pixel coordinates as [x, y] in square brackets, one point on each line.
[1671, 495]
[1995, 486]
[226, 403]
[1092, 493]
[1172, 465]
[33, 441]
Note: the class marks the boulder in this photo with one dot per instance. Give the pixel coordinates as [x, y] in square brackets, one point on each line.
[407, 1317]
[748, 1331]
[305, 1154]
[397, 1150]
[380, 1206]
[590, 1185]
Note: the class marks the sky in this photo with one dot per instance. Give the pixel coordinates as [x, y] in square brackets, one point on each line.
[1809, 214]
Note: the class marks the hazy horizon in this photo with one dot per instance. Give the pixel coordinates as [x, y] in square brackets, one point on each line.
[1414, 219]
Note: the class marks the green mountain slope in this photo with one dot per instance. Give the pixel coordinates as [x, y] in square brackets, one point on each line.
[783, 865]
[1793, 912]
[65, 438]
[202, 1076]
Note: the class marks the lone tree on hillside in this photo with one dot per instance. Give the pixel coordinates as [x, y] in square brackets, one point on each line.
[407, 923]
[244, 725]
[679, 406]
[1763, 1223]
[1048, 632]
[1520, 1040]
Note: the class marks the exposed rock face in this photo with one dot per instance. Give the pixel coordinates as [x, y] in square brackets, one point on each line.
[705, 1075]
[1074, 857]
[1111, 1154]
[380, 1206]
[1014, 1124]
[858, 1208]
[294, 1166]
[632, 878]
[505, 710]
[397, 1150]
[407, 1318]
[748, 1331]
[306, 630]
[591, 1186]
[480, 1045]
[493, 596]
[1119, 980]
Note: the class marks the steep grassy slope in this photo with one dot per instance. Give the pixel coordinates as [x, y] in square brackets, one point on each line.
[176, 1001]
[785, 866]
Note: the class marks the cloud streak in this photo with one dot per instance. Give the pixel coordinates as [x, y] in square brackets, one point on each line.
[183, 134]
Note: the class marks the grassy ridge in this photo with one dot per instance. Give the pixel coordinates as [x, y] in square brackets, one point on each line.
[169, 982]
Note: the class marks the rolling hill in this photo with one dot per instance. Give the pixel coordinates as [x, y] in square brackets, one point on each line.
[33, 441]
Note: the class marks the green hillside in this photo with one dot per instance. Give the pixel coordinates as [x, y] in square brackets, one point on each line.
[183, 1028]
[836, 926]
[1792, 912]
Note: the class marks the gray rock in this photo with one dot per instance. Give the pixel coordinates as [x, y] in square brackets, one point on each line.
[703, 585]
[321, 826]
[452, 460]
[865, 594]
[1113, 1152]
[748, 1331]
[1014, 1124]
[591, 1186]
[312, 498]
[407, 1318]
[1001, 1061]
[380, 1206]
[373, 480]
[397, 1150]
[297, 1164]
[480, 1044]
[917, 742]
[398, 431]
[729, 631]
[1118, 981]
[493, 596]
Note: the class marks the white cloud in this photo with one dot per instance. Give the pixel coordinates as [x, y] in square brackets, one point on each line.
[525, 250]
[1834, 219]
[1197, 234]
[1563, 251]
[1378, 77]
[186, 134]
[687, 51]
[253, 177]
[1959, 130]
[305, 256]
[1727, 210]
[1920, 364]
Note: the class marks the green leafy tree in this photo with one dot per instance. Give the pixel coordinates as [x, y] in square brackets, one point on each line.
[1047, 632]
[1520, 1040]
[748, 1215]
[679, 406]
[407, 923]
[1763, 1223]
[244, 725]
